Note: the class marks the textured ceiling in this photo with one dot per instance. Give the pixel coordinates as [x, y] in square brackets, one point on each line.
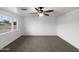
[57, 10]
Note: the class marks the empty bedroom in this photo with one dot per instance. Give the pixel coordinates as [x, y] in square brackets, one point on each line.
[39, 29]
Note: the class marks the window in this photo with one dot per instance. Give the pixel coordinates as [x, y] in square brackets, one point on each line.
[7, 24]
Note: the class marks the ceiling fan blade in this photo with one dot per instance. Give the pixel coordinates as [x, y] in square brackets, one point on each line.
[37, 9]
[49, 11]
[46, 14]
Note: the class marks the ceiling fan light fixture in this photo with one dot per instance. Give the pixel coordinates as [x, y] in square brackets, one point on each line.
[40, 14]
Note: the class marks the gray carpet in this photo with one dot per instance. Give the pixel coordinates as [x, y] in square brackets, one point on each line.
[40, 44]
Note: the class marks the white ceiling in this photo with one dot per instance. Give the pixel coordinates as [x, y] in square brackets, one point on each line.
[57, 10]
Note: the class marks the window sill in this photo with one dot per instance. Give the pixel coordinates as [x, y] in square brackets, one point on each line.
[8, 32]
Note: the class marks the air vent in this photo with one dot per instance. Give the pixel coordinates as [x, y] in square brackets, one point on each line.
[24, 9]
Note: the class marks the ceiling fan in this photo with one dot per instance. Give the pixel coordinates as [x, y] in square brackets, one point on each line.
[41, 11]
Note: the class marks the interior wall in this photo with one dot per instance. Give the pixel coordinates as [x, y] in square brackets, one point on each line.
[8, 37]
[68, 27]
[40, 25]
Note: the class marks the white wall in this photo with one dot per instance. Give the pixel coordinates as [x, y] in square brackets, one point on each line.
[7, 38]
[40, 25]
[68, 27]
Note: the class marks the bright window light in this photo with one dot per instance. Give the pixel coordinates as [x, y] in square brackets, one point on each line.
[7, 24]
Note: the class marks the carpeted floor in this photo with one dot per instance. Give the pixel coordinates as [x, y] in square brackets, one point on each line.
[40, 44]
